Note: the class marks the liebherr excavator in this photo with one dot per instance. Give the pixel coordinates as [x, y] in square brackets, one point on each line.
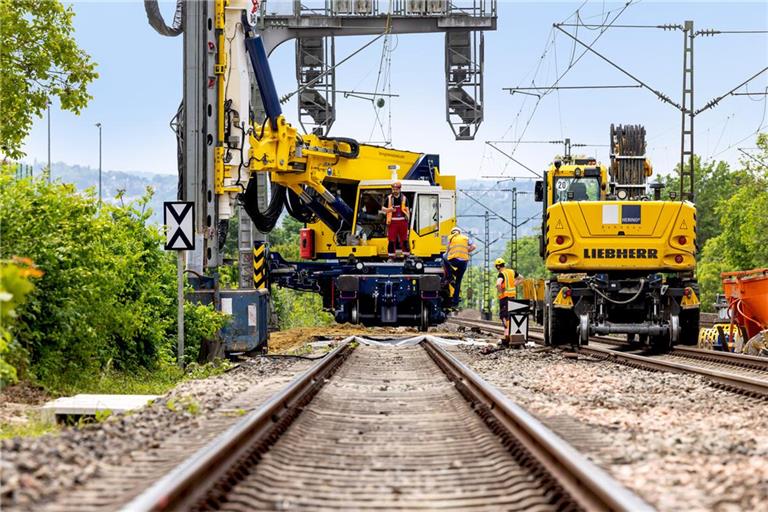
[622, 262]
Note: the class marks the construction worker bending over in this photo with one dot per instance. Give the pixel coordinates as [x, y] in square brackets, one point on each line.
[397, 222]
[505, 284]
[459, 249]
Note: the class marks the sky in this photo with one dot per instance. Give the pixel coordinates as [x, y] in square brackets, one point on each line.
[140, 86]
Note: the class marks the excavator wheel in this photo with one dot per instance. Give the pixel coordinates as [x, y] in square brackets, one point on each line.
[560, 323]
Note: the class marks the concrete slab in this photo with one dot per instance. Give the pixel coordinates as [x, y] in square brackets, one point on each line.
[89, 405]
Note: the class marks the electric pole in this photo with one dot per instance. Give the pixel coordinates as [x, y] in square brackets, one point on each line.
[98, 125]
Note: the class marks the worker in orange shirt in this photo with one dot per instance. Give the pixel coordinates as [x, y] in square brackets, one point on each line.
[505, 284]
[457, 256]
[398, 216]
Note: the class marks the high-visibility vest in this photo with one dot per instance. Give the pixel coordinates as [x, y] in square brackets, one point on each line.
[458, 248]
[403, 206]
[509, 284]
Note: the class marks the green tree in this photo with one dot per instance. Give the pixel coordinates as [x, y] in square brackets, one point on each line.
[529, 262]
[741, 242]
[714, 182]
[39, 60]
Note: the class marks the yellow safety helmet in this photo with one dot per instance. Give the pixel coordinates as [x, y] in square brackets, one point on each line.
[499, 261]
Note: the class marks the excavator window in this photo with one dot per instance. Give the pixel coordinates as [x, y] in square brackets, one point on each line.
[576, 189]
[427, 214]
[370, 217]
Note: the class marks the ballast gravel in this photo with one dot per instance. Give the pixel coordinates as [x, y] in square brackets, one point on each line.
[674, 439]
[43, 471]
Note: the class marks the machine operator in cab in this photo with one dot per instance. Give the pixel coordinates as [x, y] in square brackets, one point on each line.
[505, 284]
[457, 255]
[398, 216]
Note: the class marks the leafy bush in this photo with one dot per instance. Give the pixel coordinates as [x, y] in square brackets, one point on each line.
[15, 285]
[294, 308]
[107, 296]
[201, 323]
[299, 309]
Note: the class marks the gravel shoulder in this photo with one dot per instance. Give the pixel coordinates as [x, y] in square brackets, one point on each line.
[99, 466]
[675, 440]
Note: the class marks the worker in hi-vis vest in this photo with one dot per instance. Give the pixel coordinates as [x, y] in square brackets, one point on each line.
[457, 255]
[505, 284]
[397, 222]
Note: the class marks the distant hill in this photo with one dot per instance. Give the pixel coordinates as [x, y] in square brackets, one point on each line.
[487, 195]
[134, 184]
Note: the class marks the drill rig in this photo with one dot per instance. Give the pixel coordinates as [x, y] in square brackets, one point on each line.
[622, 262]
[338, 188]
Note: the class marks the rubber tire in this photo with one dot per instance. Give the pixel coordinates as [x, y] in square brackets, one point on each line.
[689, 327]
[562, 323]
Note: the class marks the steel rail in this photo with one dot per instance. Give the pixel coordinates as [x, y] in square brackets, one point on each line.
[729, 358]
[591, 487]
[205, 470]
[210, 473]
[740, 383]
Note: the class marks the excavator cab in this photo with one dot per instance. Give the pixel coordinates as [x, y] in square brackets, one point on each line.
[431, 216]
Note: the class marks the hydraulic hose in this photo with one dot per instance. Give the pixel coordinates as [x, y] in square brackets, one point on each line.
[157, 22]
[264, 221]
[618, 302]
[297, 209]
[354, 146]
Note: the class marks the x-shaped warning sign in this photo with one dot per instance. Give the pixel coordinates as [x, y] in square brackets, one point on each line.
[179, 219]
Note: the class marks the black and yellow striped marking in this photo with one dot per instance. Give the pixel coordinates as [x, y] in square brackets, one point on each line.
[259, 266]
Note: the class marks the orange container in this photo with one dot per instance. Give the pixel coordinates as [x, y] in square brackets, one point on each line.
[747, 296]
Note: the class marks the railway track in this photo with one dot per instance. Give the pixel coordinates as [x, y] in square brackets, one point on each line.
[378, 428]
[737, 372]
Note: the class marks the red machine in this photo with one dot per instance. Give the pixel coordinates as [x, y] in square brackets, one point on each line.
[306, 243]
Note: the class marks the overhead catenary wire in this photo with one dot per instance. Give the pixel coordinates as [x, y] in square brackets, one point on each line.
[570, 65]
[663, 97]
[322, 74]
[385, 67]
[551, 41]
[689, 110]
[714, 101]
[518, 162]
[760, 126]
[753, 157]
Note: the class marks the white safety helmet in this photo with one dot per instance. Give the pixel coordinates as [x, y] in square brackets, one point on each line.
[456, 231]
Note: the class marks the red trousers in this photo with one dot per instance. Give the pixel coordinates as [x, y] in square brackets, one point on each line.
[397, 234]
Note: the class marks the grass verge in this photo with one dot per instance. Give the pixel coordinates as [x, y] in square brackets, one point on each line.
[33, 427]
[142, 382]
